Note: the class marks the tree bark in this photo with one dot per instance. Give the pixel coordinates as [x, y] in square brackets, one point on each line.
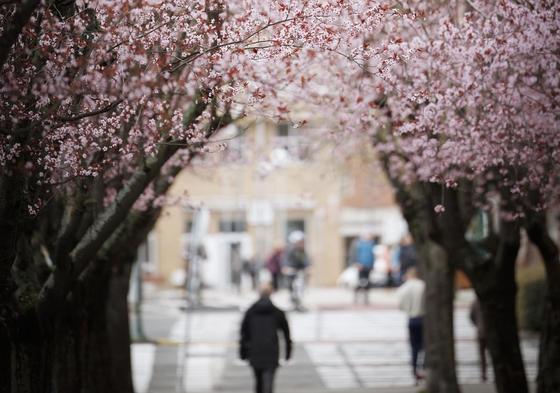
[497, 293]
[438, 320]
[72, 355]
[490, 265]
[10, 211]
[26, 351]
[548, 380]
[81, 361]
[5, 358]
[497, 303]
[72, 358]
[119, 327]
[500, 323]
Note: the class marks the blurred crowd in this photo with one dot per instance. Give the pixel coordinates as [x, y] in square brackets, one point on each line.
[371, 263]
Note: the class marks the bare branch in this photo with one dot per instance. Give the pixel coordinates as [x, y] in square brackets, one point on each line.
[106, 108]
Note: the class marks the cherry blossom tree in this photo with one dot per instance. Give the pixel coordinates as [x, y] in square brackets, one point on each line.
[102, 104]
[473, 116]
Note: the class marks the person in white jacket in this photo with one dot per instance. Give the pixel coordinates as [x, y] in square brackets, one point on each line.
[411, 300]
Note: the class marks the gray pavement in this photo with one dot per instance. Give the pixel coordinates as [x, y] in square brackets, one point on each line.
[339, 347]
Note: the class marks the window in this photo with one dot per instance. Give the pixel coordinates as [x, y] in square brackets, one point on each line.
[284, 129]
[294, 225]
[147, 254]
[348, 243]
[233, 225]
[292, 141]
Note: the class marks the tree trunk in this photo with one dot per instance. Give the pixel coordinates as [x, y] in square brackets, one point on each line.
[494, 283]
[71, 355]
[490, 265]
[26, 352]
[5, 358]
[548, 380]
[119, 329]
[438, 321]
[81, 361]
[500, 324]
[438, 273]
[11, 205]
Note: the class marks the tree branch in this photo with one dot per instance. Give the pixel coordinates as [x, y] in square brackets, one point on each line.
[134, 230]
[106, 223]
[106, 108]
[59, 282]
[14, 28]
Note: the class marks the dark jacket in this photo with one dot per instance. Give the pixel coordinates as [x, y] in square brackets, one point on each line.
[259, 335]
[296, 258]
[407, 258]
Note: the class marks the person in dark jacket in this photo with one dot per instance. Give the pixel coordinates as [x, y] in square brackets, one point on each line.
[259, 339]
[407, 256]
[295, 267]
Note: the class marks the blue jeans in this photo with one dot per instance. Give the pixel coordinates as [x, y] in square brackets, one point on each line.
[416, 340]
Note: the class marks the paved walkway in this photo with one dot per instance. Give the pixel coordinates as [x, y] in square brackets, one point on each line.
[339, 347]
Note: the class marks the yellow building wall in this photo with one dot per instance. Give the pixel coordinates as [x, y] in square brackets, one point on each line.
[323, 186]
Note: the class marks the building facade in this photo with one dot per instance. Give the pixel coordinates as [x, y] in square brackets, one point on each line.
[270, 181]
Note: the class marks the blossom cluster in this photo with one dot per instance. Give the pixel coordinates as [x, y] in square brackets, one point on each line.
[453, 95]
[480, 99]
[96, 93]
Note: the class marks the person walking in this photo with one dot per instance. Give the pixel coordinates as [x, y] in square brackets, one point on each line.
[259, 339]
[295, 266]
[382, 268]
[274, 266]
[407, 256]
[410, 296]
[250, 269]
[478, 321]
[364, 259]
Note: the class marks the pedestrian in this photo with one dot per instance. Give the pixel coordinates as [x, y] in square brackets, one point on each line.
[411, 300]
[274, 266]
[259, 339]
[250, 269]
[395, 265]
[407, 255]
[363, 259]
[478, 321]
[382, 262]
[295, 266]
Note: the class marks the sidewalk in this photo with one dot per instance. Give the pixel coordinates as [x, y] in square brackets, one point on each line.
[315, 298]
[339, 347]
